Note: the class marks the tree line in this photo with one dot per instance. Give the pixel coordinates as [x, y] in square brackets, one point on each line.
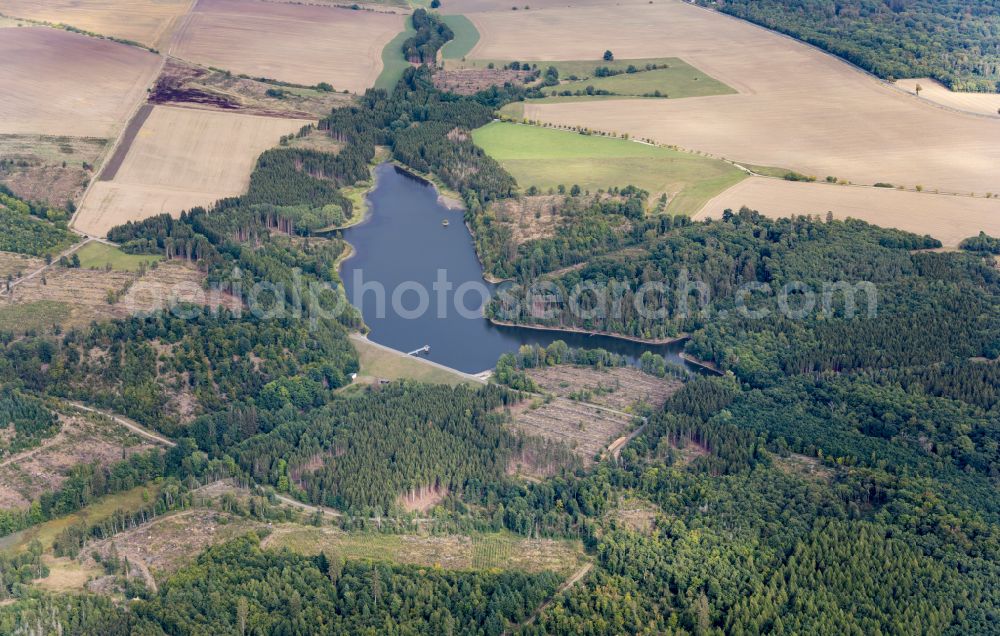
[950, 40]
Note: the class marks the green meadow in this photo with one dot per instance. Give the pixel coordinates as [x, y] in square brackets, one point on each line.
[393, 62]
[546, 158]
[677, 79]
[466, 37]
[95, 255]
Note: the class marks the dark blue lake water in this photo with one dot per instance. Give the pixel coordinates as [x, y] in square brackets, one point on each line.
[403, 248]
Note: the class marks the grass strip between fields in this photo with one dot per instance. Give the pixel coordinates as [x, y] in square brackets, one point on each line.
[466, 37]
[393, 62]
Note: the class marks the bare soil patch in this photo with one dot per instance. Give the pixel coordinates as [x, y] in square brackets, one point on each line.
[170, 283]
[83, 439]
[191, 86]
[945, 217]
[297, 43]
[795, 107]
[619, 388]
[149, 22]
[317, 140]
[61, 83]
[804, 466]
[181, 158]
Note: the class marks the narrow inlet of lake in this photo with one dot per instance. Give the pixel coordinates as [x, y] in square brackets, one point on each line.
[417, 282]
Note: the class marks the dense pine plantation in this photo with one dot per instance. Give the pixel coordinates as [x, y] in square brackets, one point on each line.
[955, 42]
[393, 441]
[838, 476]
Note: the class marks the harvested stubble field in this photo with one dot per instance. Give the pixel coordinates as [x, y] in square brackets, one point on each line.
[947, 218]
[61, 83]
[453, 552]
[547, 158]
[192, 86]
[296, 43]
[619, 388]
[83, 439]
[934, 91]
[585, 429]
[795, 107]
[181, 158]
[148, 22]
[48, 168]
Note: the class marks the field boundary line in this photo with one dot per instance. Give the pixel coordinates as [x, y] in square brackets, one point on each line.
[568, 128]
[110, 151]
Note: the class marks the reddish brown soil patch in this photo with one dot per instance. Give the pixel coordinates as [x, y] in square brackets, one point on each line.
[192, 86]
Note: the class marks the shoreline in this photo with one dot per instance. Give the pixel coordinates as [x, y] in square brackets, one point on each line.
[704, 364]
[488, 277]
[469, 377]
[587, 332]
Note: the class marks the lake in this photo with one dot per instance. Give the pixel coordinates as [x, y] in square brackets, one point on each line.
[419, 283]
